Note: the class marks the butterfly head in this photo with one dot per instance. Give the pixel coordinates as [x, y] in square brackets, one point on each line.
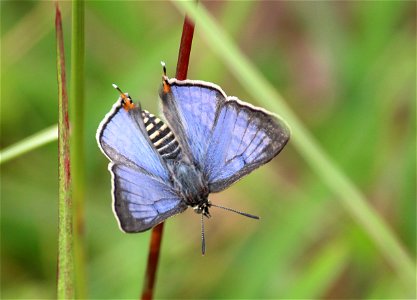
[127, 102]
[203, 208]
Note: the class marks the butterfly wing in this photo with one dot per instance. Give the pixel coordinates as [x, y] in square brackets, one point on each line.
[142, 192]
[141, 201]
[122, 137]
[244, 137]
[190, 108]
[224, 136]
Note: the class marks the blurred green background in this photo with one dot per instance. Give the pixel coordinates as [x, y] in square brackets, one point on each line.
[348, 70]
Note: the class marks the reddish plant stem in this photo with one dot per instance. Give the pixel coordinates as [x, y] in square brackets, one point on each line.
[157, 231]
[185, 49]
[153, 258]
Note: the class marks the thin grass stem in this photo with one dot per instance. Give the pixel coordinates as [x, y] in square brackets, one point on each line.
[157, 231]
[30, 143]
[348, 194]
[77, 144]
[65, 270]
[27, 33]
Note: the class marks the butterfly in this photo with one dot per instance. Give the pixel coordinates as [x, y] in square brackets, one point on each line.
[208, 142]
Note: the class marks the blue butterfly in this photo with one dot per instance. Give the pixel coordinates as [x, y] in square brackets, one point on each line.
[208, 142]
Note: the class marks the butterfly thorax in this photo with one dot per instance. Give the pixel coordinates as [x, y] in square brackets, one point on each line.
[188, 180]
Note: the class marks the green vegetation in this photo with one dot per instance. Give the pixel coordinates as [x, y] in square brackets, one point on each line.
[347, 71]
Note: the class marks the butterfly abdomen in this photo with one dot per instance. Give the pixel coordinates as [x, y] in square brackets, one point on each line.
[161, 136]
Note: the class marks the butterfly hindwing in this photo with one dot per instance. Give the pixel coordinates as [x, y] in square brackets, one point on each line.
[140, 200]
[225, 137]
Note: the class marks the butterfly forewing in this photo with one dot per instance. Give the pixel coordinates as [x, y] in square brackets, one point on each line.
[123, 138]
[190, 111]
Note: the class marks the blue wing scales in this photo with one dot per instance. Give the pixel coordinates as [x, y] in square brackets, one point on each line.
[190, 111]
[122, 137]
[141, 201]
[244, 138]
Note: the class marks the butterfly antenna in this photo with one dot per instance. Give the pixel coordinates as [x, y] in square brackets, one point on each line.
[203, 239]
[123, 95]
[117, 88]
[127, 101]
[164, 68]
[236, 211]
[166, 85]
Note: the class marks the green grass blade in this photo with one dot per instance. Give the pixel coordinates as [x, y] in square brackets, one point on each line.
[30, 143]
[77, 143]
[27, 33]
[349, 195]
[65, 270]
[321, 273]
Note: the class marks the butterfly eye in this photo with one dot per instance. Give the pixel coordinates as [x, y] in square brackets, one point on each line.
[198, 210]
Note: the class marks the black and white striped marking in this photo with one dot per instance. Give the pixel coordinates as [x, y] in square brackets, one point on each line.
[161, 136]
